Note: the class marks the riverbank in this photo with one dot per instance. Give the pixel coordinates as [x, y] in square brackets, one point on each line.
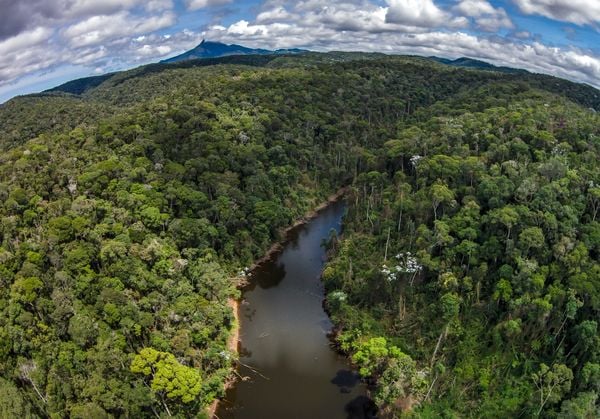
[232, 346]
[284, 233]
[243, 281]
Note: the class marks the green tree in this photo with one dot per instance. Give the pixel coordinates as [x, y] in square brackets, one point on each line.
[551, 383]
[167, 375]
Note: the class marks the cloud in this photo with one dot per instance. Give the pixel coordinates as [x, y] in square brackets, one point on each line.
[521, 34]
[25, 53]
[98, 29]
[487, 18]
[158, 5]
[148, 50]
[580, 12]
[275, 14]
[21, 15]
[415, 12]
[420, 13]
[154, 46]
[90, 56]
[347, 17]
[341, 16]
[201, 4]
[83, 8]
[24, 40]
[77, 33]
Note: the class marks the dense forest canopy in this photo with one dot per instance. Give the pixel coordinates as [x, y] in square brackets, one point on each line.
[466, 282]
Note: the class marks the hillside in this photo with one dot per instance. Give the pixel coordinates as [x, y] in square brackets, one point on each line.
[478, 64]
[466, 283]
[207, 49]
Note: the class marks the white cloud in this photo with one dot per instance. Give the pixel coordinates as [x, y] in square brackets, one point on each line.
[346, 17]
[475, 8]
[580, 12]
[421, 13]
[21, 15]
[83, 8]
[147, 50]
[24, 40]
[99, 29]
[487, 18]
[522, 34]
[25, 53]
[278, 13]
[201, 4]
[341, 16]
[158, 5]
[90, 56]
[152, 47]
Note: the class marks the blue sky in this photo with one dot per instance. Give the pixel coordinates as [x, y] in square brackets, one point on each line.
[46, 42]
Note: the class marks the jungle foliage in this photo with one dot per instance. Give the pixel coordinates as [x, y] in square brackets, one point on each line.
[128, 210]
[467, 280]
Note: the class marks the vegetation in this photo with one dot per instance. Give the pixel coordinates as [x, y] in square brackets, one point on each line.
[471, 251]
[128, 209]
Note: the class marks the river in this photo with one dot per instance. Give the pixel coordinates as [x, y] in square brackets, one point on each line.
[289, 366]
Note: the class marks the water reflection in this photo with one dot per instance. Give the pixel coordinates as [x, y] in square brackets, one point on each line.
[345, 380]
[361, 408]
[291, 370]
[266, 276]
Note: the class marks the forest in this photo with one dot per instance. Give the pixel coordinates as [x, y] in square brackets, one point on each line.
[466, 282]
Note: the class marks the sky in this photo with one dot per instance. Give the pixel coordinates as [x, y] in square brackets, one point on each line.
[44, 43]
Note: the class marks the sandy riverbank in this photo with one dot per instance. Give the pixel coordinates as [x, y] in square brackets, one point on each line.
[232, 345]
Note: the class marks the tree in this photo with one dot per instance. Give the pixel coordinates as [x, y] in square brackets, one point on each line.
[153, 218]
[507, 216]
[167, 375]
[531, 238]
[581, 407]
[440, 194]
[370, 355]
[594, 200]
[88, 410]
[12, 403]
[552, 383]
[401, 380]
[25, 290]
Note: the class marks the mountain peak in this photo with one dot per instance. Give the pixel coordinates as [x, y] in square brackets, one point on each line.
[212, 49]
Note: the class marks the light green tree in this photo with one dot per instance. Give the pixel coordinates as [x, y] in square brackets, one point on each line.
[167, 375]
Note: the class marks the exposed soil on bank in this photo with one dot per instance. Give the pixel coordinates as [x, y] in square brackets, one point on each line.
[232, 346]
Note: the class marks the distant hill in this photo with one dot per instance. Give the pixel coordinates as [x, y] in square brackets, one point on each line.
[82, 85]
[478, 64]
[207, 49]
[240, 55]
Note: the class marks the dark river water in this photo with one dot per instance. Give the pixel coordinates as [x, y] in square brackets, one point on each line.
[291, 370]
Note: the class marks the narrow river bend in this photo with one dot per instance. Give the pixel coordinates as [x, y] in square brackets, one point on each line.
[290, 369]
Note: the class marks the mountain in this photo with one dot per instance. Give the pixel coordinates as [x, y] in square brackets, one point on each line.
[478, 64]
[578, 92]
[207, 49]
